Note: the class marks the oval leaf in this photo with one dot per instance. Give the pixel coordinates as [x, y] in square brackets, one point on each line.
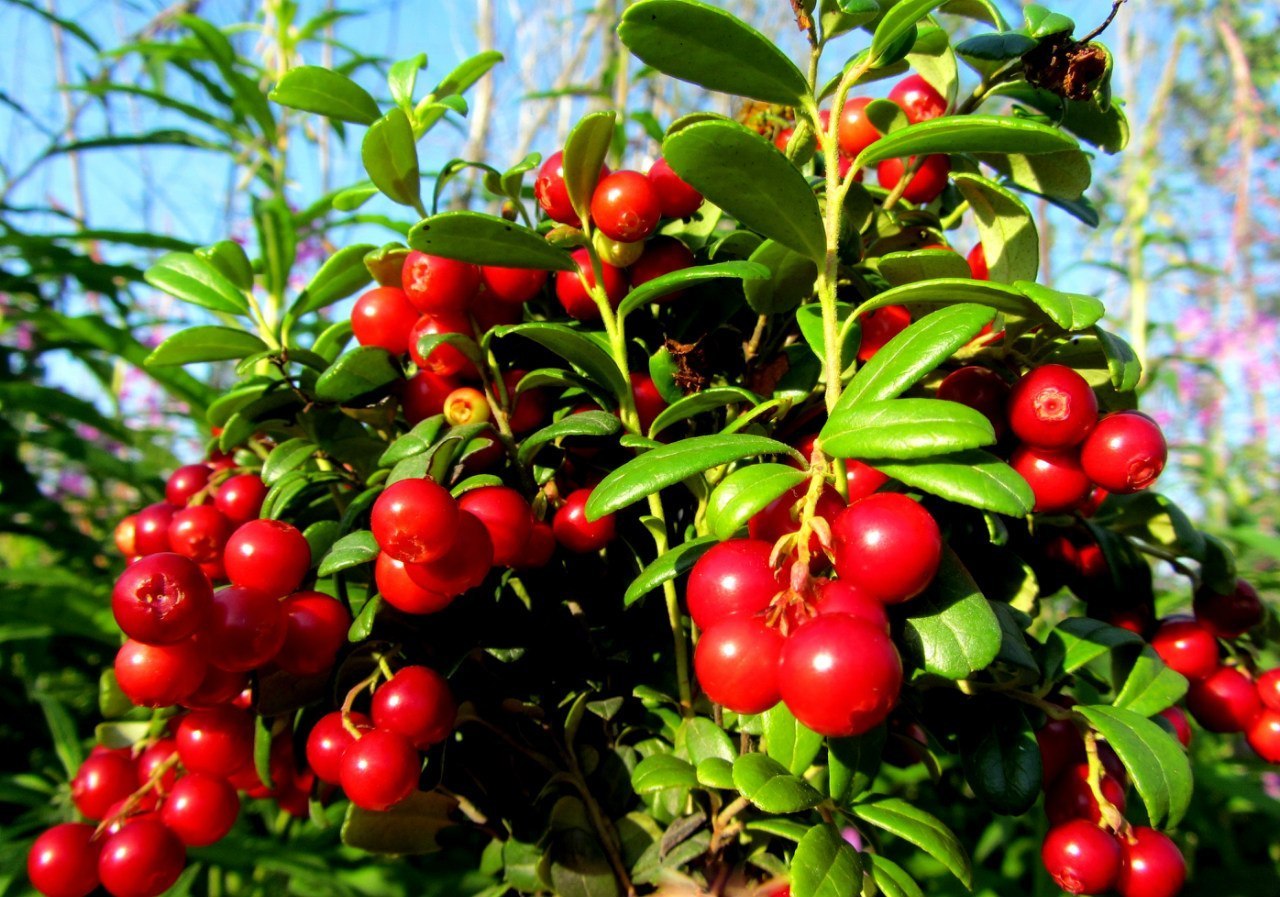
[653, 290]
[361, 370]
[1005, 227]
[967, 134]
[790, 283]
[584, 152]
[192, 279]
[390, 155]
[743, 493]
[668, 566]
[925, 831]
[351, 550]
[951, 629]
[208, 343]
[486, 240]
[574, 347]
[825, 865]
[325, 92]
[587, 423]
[905, 428]
[342, 274]
[767, 784]
[689, 406]
[1155, 761]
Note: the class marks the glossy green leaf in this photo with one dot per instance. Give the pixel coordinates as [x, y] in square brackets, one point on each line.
[975, 478]
[898, 817]
[812, 328]
[789, 741]
[905, 428]
[715, 772]
[207, 343]
[890, 878]
[933, 58]
[312, 88]
[1218, 565]
[1150, 685]
[428, 342]
[287, 456]
[1153, 758]
[667, 566]
[659, 771]
[586, 423]
[669, 464]
[825, 865]
[390, 155]
[1107, 129]
[486, 240]
[709, 47]
[351, 550]
[652, 290]
[949, 291]
[360, 371]
[791, 280]
[1005, 227]
[458, 81]
[896, 23]
[701, 739]
[840, 16]
[967, 134]
[577, 866]
[584, 353]
[999, 46]
[405, 829]
[1070, 311]
[1122, 361]
[1042, 22]
[584, 152]
[707, 400]
[1002, 762]
[402, 78]
[362, 625]
[767, 784]
[1081, 640]
[230, 260]
[922, 264]
[739, 496]
[951, 629]
[342, 274]
[1062, 176]
[745, 175]
[852, 763]
[190, 278]
[415, 442]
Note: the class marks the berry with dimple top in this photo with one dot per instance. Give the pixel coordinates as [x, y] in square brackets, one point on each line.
[1055, 477]
[1082, 858]
[102, 780]
[513, 286]
[1125, 452]
[1232, 615]
[928, 180]
[417, 703]
[160, 599]
[575, 532]
[328, 742]
[199, 532]
[734, 577]
[415, 520]
[573, 287]
[464, 566]
[676, 198]
[201, 809]
[736, 661]
[506, 515]
[316, 627]
[839, 675]
[1187, 648]
[399, 590]
[880, 326]
[383, 317]
[246, 629]
[217, 741]
[143, 859]
[185, 483]
[240, 497]
[379, 769]
[63, 861]
[1152, 865]
[1226, 701]
[159, 675]
[269, 556]
[435, 285]
[887, 545]
[918, 99]
[1052, 407]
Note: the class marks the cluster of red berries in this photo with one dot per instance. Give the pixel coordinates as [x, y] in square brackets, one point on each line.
[1091, 851]
[1222, 698]
[820, 645]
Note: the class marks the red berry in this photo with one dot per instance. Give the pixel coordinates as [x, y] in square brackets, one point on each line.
[736, 661]
[436, 285]
[551, 193]
[383, 317]
[316, 627]
[1060, 746]
[126, 536]
[270, 556]
[217, 741]
[399, 590]
[649, 402]
[929, 179]
[1269, 689]
[879, 327]
[1264, 735]
[1052, 407]
[152, 531]
[506, 515]
[625, 206]
[444, 359]
[662, 255]
[379, 769]
[540, 547]
[1152, 865]
[464, 566]
[422, 395]
[199, 532]
[575, 532]
[417, 703]
[240, 497]
[1125, 452]
[246, 629]
[156, 764]
[856, 132]
[1229, 616]
[514, 286]
[918, 99]
[1071, 798]
[63, 861]
[1082, 858]
[675, 196]
[159, 675]
[982, 389]
[103, 780]
[161, 598]
[1055, 478]
[1177, 718]
[1226, 701]
[977, 259]
[863, 479]
[1187, 648]
[835, 596]
[573, 287]
[527, 411]
[887, 545]
[781, 516]
[415, 520]
[143, 859]
[186, 483]
[201, 809]
[840, 675]
[734, 577]
[328, 741]
[216, 688]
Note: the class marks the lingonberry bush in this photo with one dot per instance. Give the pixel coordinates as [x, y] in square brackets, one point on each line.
[688, 530]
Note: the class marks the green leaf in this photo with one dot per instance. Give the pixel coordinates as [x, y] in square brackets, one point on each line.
[790, 283]
[207, 343]
[1155, 761]
[1107, 129]
[967, 134]
[192, 279]
[789, 741]
[715, 772]
[1061, 176]
[703, 740]
[840, 16]
[914, 353]
[825, 865]
[486, 240]
[949, 291]
[360, 371]
[925, 831]
[690, 406]
[1150, 685]
[748, 178]
[1070, 311]
[262, 750]
[230, 260]
[410, 827]
[325, 92]
[896, 24]
[812, 328]
[1083, 640]
[351, 550]
[577, 866]
[890, 878]
[1042, 22]
[402, 78]
[667, 566]
[852, 763]
[950, 628]
[587, 423]
[62, 729]
[466, 74]
[415, 442]
[1122, 360]
[1002, 762]
[575, 347]
[1005, 227]
[277, 242]
[767, 784]
[905, 428]
[709, 47]
[286, 456]
[659, 771]
[922, 264]
[584, 152]
[975, 478]
[669, 464]
[743, 493]
[342, 274]
[999, 46]
[652, 290]
[1218, 566]
[390, 155]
